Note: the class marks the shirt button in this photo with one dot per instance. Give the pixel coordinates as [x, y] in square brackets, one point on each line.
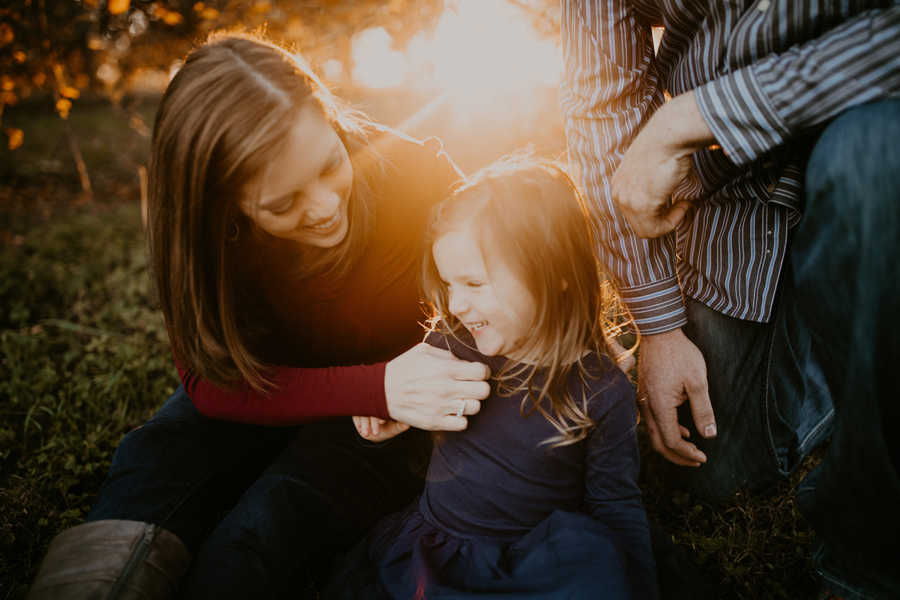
[769, 232]
[769, 251]
[763, 5]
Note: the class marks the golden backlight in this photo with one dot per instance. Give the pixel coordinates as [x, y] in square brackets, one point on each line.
[481, 54]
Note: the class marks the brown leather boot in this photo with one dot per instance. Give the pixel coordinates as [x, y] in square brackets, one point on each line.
[112, 559]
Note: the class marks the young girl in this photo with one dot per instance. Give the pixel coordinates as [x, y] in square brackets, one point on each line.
[538, 497]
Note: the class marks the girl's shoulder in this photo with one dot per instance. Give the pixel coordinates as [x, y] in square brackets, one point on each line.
[461, 345]
[605, 385]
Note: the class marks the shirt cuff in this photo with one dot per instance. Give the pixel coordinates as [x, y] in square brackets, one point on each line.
[373, 380]
[741, 116]
[656, 307]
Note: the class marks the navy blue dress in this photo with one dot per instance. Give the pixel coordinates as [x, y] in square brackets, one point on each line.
[503, 515]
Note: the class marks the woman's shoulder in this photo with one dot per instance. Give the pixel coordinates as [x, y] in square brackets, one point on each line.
[395, 144]
[421, 162]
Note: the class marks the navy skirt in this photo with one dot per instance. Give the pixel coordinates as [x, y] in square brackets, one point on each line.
[567, 556]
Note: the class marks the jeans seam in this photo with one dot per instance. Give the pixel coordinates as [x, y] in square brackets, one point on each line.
[813, 433]
[767, 396]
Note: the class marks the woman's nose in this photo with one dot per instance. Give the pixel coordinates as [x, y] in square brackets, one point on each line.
[322, 202]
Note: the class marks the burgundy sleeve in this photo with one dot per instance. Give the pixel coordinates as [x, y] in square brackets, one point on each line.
[299, 395]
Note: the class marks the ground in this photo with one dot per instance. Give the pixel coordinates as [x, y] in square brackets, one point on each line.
[84, 358]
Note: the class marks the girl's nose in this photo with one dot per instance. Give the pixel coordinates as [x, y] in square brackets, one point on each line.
[457, 303]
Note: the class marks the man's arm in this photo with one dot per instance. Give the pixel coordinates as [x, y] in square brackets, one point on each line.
[765, 104]
[748, 112]
[609, 93]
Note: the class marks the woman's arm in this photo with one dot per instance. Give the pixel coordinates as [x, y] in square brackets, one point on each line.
[421, 387]
[299, 395]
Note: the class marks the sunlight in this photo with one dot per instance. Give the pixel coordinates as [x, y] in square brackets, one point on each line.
[481, 54]
[375, 63]
[487, 49]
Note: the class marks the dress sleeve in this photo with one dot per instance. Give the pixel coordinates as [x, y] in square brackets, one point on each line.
[298, 396]
[612, 495]
[610, 89]
[754, 109]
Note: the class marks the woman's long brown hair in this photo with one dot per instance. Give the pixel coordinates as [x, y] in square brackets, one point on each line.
[530, 212]
[222, 119]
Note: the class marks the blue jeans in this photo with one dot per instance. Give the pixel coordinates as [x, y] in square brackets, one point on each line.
[824, 364]
[262, 509]
[845, 264]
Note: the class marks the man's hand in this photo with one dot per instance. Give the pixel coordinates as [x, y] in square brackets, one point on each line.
[378, 430]
[670, 370]
[658, 159]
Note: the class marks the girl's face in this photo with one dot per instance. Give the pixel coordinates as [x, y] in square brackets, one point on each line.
[484, 293]
[305, 191]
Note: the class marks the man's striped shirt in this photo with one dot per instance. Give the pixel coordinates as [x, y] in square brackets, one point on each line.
[767, 75]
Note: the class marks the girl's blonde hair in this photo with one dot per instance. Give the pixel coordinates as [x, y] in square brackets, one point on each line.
[223, 118]
[529, 210]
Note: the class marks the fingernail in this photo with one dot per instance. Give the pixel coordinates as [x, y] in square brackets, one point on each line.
[710, 430]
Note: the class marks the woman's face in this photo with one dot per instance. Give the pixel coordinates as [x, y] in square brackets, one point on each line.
[303, 195]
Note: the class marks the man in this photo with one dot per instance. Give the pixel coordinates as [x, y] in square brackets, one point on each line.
[752, 225]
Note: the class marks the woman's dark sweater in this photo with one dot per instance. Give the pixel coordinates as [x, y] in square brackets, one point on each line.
[331, 339]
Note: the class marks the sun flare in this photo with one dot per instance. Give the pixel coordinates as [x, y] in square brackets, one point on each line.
[480, 53]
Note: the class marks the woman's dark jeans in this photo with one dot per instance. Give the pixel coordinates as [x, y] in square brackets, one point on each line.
[826, 363]
[262, 509]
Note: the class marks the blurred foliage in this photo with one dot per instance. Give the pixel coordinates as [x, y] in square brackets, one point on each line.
[114, 140]
[63, 48]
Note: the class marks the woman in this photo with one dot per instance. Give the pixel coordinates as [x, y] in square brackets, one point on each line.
[285, 233]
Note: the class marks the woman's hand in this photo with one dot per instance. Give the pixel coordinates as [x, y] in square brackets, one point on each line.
[378, 430]
[431, 389]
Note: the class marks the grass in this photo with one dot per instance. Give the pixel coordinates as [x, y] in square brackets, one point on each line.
[84, 358]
